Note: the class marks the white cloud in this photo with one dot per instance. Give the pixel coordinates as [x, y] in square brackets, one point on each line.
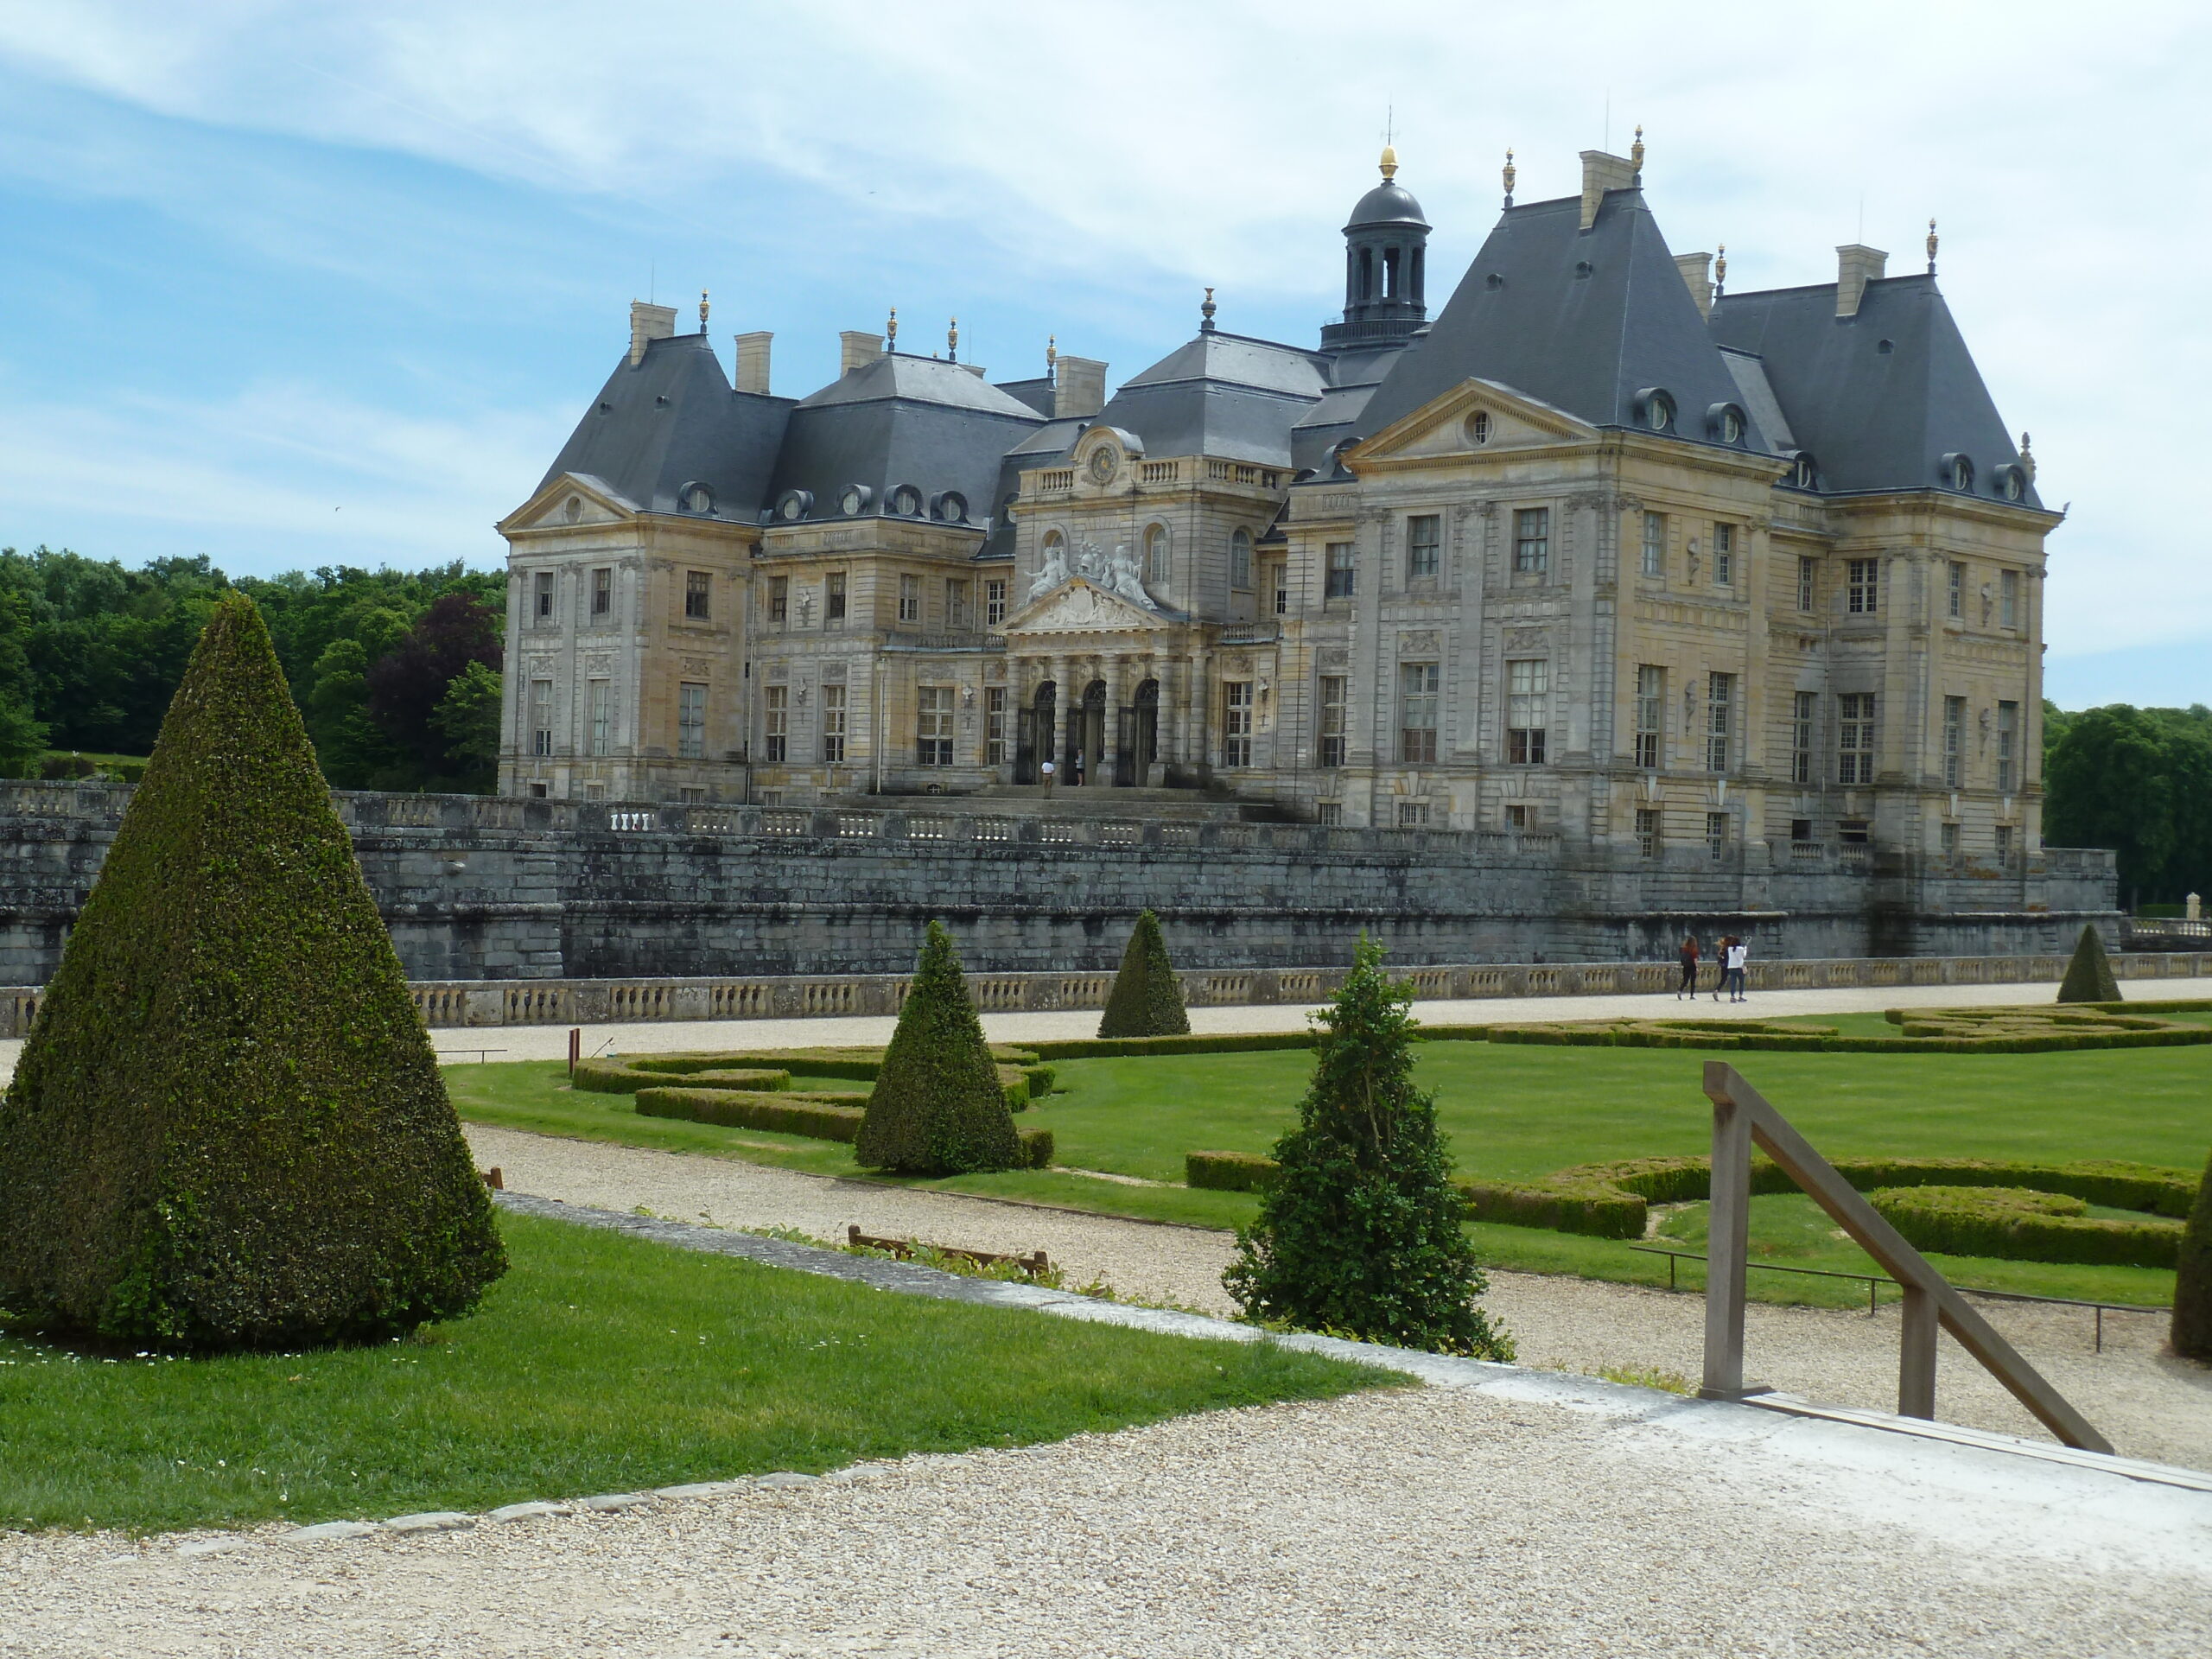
[1218, 144]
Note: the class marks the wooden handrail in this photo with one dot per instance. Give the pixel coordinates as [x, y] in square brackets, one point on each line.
[1743, 1116]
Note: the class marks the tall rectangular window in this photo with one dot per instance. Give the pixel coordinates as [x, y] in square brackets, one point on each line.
[1954, 591]
[995, 725]
[1863, 589]
[1532, 540]
[1949, 839]
[833, 597]
[1412, 815]
[1339, 576]
[1236, 722]
[540, 717]
[833, 723]
[776, 724]
[910, 598]
[1724, 556]
[1278, 585]
[1716, 835]
[2008, 599]
[995, 603]
[1332, 720]
[1719, 721]
[1804, 710]
[1417, 683]
[1424, 544]
[933, 726]
[1655, 543]
[955, 605]
[691, 720]
[2008, 738]
[601, 703]
[1809, 585]
[1954, 727]
[1854, 738]
[544, 589]
[1647, 831]
[1528, 695]
[1650, 716]
[2002, 840]
[1240, 561]
[602, 593]
[780, 600]
[698, 594]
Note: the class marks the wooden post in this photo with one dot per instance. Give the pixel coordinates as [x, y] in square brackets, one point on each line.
[576, 1048]
[1916, 1356]
[1727, 1246]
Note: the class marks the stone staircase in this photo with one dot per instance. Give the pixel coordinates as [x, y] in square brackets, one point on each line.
[1060, 801]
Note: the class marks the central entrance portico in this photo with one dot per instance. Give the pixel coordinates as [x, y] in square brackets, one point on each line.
[1108, 691]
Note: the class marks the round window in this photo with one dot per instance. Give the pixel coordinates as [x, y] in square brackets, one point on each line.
[906, 500]
[1479, 427]
[1659, 412]
[1732, 427]
[855, 501]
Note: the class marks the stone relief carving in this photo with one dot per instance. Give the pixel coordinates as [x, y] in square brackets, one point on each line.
[695, 665]
[1335, 656]
[1524, 639]
[1082, 608]
[1417, 642]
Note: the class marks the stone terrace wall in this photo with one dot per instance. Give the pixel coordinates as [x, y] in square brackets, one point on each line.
[478, 888]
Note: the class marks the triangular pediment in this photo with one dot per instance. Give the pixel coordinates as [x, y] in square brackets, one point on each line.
[569, 501]
[1080, 606]
[1475, 417]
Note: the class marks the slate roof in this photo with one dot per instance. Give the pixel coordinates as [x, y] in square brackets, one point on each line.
[903, 420]
[1873, 419]
[669, 419]
[1529, 315]
[1222, 394]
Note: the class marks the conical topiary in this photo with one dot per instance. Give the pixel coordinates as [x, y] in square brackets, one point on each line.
[1146, 999]
[2088, 977]
[228, 1128]
[1360, 1233]
[2192, 1327]
[938, 1107]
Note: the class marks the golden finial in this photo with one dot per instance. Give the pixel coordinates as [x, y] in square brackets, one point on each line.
[1389, 163]
[702, 310]
[1931, 247]
[1052, 355]
[890, 332]
[2027, 459]
[1510, 173]
[1636, 152]
[1205, 313]
[952, 342]
[1720, 271]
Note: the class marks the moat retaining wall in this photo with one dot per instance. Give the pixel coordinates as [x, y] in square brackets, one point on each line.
[478, 888]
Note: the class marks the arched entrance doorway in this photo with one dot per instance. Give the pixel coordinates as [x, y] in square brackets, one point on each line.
[1086, 737]
[1139, 747]
[1034, 741]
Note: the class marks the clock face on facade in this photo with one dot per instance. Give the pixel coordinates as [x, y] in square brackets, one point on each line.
[1105, 461]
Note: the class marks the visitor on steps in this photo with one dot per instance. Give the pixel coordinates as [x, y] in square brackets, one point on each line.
[1687, 956]
[1738, 953]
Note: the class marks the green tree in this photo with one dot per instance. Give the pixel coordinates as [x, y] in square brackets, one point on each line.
[353, 752]
[1146, 999]
[468, 717]
[2140, 782]
[227, 1128]
[1361, 1234]
[2192, 1326]
[2089, 975]
[938, 1107]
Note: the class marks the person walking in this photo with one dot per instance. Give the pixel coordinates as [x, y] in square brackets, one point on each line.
[1739, 954]
[1721, 963]
[1687, 956]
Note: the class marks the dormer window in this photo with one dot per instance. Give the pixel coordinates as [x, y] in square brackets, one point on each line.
[1803, 473]
[1958, 473]
[2013, 483]
[856, 500]
[1725, 423]
[697, 498]
[1655, 410]
[906, 501]
[1479, 427]
[794, 505]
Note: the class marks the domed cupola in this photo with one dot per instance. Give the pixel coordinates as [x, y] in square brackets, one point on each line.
[1386, 255]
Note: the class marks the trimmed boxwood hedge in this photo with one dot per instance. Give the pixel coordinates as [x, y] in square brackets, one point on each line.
[2019, 1224]
[1146, 999]
[1096, 1048]
[1229, 1171]
[939, 1106]
[1930, 1031]
[772, 1068]
[627, 1078]
[819, 1117]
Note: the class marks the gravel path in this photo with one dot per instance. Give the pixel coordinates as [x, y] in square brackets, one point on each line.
[2150, 1404]
[1430, 1522]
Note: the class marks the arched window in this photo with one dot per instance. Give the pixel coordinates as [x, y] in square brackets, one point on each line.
[1390, 274]
[1155, 555]
[1366, 273]
[1240, 561]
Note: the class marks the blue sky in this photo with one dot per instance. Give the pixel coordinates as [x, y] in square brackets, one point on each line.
[293, 285]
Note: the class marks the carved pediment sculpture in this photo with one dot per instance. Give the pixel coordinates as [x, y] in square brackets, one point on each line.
[1082, 607]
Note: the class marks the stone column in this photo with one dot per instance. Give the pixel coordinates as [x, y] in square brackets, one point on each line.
[1116, 693]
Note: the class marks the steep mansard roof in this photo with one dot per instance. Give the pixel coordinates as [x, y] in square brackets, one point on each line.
[1880, 398]
[671, 420]
[1581, 319]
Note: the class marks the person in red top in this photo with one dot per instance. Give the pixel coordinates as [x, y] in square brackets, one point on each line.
[1687, 956]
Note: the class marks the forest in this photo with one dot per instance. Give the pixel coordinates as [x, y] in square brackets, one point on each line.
[396, 673]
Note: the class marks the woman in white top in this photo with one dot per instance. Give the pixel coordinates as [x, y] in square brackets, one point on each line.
[1739, 954]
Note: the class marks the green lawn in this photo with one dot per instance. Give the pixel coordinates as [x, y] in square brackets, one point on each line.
[1517, 1110]
[600, 1363]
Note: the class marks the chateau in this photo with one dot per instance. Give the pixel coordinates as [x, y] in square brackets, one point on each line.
[1600, 554]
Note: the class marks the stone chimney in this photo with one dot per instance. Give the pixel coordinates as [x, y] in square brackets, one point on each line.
[856, 349]
[649, 322]
[1078, 388]
[1697, 271]
[753, 362]
[1601, 173]
[1856, 265]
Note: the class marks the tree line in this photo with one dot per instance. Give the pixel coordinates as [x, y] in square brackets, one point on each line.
[396, 672]
[2139, 781]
